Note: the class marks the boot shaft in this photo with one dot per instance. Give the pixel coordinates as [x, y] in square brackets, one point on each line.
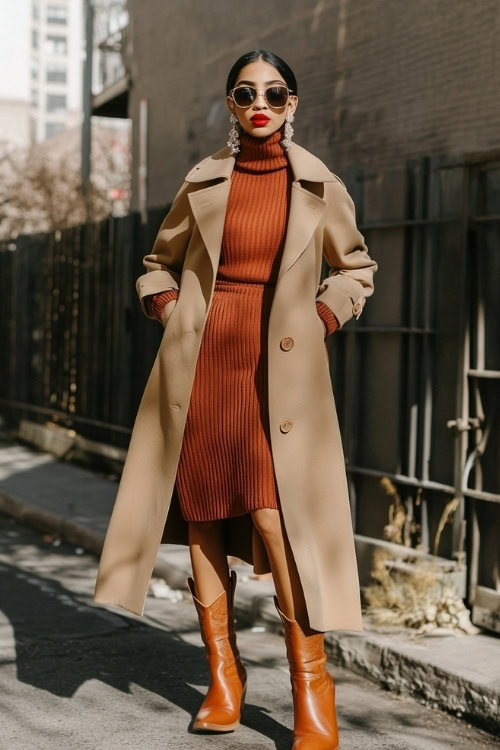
[216, 619]
[306, 653]
[217, 625]
[313, 689]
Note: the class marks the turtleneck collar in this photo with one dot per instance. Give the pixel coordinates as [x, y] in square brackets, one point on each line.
[261, 154]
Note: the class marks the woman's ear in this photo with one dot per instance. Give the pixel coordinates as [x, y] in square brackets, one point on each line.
[292, 104]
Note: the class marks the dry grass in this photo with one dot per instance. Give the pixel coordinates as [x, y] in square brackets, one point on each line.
[422, 598]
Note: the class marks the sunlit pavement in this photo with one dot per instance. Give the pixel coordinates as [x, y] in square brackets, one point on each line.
[77, 675]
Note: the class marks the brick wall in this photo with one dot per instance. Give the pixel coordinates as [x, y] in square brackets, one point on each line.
[378, 80]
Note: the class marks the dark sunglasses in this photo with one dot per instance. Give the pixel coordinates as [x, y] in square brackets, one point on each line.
[275, 96]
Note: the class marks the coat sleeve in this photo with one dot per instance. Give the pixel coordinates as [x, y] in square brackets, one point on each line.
[350, 279]
[164, 263]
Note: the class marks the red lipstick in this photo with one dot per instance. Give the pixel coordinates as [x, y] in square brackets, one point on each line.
[260, 120]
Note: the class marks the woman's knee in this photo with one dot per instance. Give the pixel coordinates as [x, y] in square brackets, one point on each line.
[268, 523]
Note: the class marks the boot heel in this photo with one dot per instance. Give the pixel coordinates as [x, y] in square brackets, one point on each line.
[243, 698]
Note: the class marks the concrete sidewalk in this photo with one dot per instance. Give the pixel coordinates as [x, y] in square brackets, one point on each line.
[459, 674]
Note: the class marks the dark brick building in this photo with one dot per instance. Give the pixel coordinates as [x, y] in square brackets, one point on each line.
[378, 80]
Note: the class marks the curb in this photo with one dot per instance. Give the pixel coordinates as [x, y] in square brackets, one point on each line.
[67, 529]
[74, 533]
[393, 665]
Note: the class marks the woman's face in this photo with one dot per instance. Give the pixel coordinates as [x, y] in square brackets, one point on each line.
[261, 74]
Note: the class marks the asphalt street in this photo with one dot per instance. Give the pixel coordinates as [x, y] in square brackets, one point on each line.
[75, 675]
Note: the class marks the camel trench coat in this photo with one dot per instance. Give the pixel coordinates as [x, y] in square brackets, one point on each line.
[305, 439]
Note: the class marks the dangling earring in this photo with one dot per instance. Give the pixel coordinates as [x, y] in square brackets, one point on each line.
[287, 140]
[234, 140]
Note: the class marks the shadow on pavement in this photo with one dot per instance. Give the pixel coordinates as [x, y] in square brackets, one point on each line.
[61, 643]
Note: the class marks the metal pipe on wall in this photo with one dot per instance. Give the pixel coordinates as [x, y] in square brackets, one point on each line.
[87, 96]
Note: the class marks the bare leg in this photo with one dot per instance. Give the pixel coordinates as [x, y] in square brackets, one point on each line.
[271, 527]
[208, 560]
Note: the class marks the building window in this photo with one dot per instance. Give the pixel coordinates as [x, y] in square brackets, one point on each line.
[53, 128]
[56, 45]
[56, 73]
[57, 14]
[35, 10]
[56, 102]
[34, 39]
[34, 74]
[34, 97]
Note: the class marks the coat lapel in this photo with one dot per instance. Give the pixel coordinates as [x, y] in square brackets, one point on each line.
[209, 210]
[209, 204]
[306, 210]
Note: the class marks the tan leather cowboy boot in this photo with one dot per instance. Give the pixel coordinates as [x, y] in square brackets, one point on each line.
[313, 689]
[223, 703]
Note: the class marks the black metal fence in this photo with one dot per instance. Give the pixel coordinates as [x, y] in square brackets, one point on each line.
[416, 378]
[76, 347]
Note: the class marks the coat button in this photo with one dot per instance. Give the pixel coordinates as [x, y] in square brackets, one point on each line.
[286, 343]
[286, 425]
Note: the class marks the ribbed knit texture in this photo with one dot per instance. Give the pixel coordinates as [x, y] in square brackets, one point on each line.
[248, 225]
[328, 317]
[160, 300]
[225, 466]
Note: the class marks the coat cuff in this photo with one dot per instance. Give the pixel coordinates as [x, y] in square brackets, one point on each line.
[159, 301]
[154, 282]
[328, 317]
[344, 295]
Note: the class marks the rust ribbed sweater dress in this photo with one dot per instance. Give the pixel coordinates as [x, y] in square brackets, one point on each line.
[225, 466]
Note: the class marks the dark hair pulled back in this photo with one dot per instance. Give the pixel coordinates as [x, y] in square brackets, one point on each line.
[269, 57]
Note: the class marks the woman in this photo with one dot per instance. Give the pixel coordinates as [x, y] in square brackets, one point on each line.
[235, 448]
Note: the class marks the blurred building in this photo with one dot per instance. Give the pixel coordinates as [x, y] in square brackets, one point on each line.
[14, 123]
[110, 80]
[56, 41]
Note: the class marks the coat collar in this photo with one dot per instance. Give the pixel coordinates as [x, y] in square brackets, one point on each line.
[304, 165]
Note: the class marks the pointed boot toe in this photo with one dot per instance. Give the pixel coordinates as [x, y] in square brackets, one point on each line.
[212, 717]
